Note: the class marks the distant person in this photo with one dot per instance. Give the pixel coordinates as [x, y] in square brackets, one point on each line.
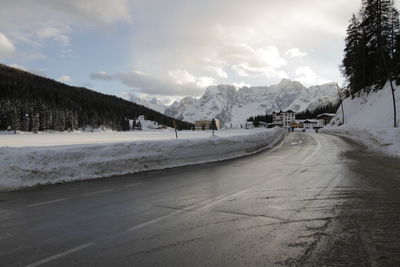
[316, 130]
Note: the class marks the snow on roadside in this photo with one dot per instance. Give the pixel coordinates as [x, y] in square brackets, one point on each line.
[369, 120]
[24, 139]
[29, 166]
[385, 140]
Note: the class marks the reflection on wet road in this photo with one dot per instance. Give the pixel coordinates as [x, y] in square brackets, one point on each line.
[315, 200]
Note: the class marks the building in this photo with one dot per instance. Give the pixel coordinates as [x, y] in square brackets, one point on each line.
[206, 124]
[327, 117]
[297, 124]
[249, 125]
[313, 124]
[283, 119]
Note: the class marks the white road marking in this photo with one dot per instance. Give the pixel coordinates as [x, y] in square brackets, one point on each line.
[46, 202]
[135, 184]
[279, 146]
[154, 220]
[97, 192]
[59, 255]
[315, 152]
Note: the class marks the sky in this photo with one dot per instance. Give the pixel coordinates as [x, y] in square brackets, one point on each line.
[175, 48]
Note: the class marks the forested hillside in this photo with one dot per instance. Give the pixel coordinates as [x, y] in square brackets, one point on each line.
[33, 103]
[372, 51]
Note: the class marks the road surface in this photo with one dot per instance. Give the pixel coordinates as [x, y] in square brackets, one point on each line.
[313, 200]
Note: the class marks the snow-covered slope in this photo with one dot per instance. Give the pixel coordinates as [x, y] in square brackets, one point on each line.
[373, 110]
[233, 107]
[152, 103]
[369, 119]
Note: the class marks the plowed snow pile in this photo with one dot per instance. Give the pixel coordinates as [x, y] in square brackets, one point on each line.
[28, 166]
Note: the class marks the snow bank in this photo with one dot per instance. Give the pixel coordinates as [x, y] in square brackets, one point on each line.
[385, 140]
[369, 120]
[29, 166]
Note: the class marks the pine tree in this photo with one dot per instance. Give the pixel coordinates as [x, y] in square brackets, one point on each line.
[35, 123]
[372, 51]
[15, 119]
[353, 66]
[26, 123]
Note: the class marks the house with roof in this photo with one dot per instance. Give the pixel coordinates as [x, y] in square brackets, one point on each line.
[327, 117]
[313, 124]
[283, 118]
[206, 124]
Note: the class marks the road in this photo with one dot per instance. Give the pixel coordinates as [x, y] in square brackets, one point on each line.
[313, 200]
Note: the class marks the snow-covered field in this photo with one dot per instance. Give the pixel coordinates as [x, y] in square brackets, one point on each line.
[32, 159]
[78, 138]
[369, 120]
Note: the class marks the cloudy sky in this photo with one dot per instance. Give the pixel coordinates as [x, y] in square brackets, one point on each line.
[175, 48]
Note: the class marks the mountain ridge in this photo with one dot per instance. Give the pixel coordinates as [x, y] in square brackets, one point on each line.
[232, 105]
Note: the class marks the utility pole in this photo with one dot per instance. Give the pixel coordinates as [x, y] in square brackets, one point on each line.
[341, 102]
[213, 126]
[176, 132]
[389, 74]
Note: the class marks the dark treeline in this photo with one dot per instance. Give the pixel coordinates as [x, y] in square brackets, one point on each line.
[372, 50]
[331, 107]
[30, 102]
[264, 118]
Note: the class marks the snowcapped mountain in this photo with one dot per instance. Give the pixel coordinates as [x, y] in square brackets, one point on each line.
[232, 106]
[152, 103]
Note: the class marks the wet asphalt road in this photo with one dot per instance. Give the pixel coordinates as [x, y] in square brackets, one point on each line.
[313, 200]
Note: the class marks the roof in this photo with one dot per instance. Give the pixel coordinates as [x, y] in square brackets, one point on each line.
[280, 112]
[310, 121]
[327, 114]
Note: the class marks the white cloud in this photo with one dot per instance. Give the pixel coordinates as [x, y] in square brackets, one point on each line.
[97, 11]
[308, 77]
[7, 48]
[247, 61]
[40, 22]
[101, 11]
[248, 40]
[175, 83]
[240, 41]
[58, 34]
[101, 75]
[295, 52]
[241, 84]
[245, 70]
[183, 77]
[220, 72]
[64, 78]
